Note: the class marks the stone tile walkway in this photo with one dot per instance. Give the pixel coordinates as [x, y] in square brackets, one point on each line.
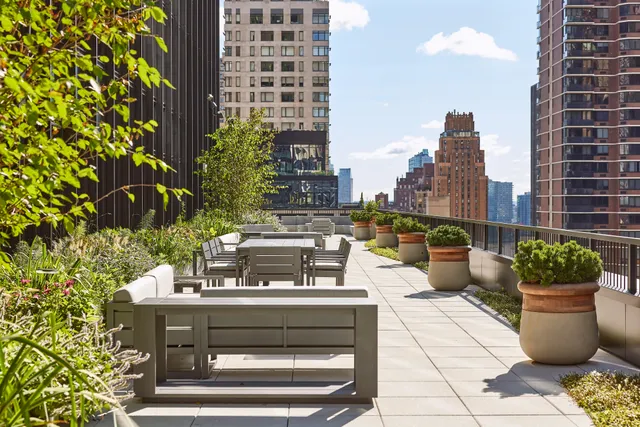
[445, 360]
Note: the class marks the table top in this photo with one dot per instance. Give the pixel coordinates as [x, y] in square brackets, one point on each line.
[192, 301]
[283, 243]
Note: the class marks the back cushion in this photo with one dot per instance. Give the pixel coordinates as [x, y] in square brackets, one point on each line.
[139, 289]
[164, 279]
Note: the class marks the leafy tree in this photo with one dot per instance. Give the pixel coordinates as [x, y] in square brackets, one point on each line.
[361, 200]
[54, 96]
[237, 170]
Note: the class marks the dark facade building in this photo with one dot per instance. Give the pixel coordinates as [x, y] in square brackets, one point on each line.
[304, 181]
[383, 200]
[587, 146]
[459, 168]
[500, 202]
[419, 180]
[534, 132]
[524, 209]
[184, 115]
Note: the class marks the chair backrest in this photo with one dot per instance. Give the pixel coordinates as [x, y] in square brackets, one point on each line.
[283, 263]
[208, 249]
[322, 225]
[346, 250]
[229, 240]
[286, 292]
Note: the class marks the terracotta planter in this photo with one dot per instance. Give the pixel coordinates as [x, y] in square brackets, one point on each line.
[559, 324]
[361, 230]
[372, 230]
[385, 238]
[449, 267]
[411, 248]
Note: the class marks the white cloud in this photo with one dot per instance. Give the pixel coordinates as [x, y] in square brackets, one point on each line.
[347, 15]
[407, 147]
[433, 124]
[467, 41]
[490, 145]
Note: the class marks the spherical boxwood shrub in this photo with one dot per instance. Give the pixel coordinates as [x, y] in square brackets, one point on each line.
[538, 262]
[386, 219]
[408, 225]
[448, 235]
[360, 216]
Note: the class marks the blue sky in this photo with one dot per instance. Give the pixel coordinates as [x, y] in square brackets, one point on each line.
[399, 66]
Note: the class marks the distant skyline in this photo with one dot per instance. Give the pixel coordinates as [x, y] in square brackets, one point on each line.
[395, 75]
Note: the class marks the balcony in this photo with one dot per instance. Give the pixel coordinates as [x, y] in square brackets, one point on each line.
[578, 140]
[577, 122]
[578, 104]
[579, 70]
[579, 53]
[576, 87]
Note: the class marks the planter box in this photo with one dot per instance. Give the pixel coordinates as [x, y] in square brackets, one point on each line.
[385, 238]
[412, 248]
[361, 230]
[559, 324]
[449, 267]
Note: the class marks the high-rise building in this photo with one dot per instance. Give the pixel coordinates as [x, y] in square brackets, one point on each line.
[460, 169]
[420, 159]
[500, 204]
[407, 188]
[276, 57]
[383, 200]
[534, 131]
[345, 186]
[524, 209]
[587, 144]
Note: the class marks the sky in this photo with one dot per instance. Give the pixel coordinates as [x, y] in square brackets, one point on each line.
[398, 67]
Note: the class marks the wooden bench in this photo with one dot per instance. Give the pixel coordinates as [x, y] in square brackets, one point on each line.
[266, 323]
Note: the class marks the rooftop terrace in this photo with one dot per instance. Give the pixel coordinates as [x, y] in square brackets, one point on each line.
[445, 359]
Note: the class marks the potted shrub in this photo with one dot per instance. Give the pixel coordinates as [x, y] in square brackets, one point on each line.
[411, 234]
[449, 248]
[558, 284]
[372, 207]
[361, 224]
[385, 237]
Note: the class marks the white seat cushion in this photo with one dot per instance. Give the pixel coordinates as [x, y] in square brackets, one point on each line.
[324, 265]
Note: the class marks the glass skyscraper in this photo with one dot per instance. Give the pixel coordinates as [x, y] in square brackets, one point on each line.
[345, 186]
[524, 209]
[500, 201]
[419, 160]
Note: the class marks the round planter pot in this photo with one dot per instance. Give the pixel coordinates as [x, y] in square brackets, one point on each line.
[411, 248]
[361, 230]
[559, 324]
[385, 237]
[449, 268]
[372, 230]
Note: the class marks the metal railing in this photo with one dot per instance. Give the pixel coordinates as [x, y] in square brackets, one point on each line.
[619, 254]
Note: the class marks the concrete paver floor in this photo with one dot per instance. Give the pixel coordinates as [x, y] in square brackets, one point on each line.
[445, 359]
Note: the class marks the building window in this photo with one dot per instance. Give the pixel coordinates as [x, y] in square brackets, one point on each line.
[277, 16]
[288, 126]
[287, 36]
[252, 66]
[252, 51]
[238, 51]
[288, 112]
[288, 51]
[237, 65]
[321, 51]
[252, 36]
[320, 81]
[266, 81]
[320, 17]
[228, 36]
[287, 66]
[252, 97]
[255, 16]
[228, 51]
[301, 126]
[320, 112]
[269, 112]
[266, 97]
[320, 96]
[297, 16]
[237, 16]
[602, 133]
[301, 51]
[301, 82]
[287, 97]
[266, 66]
[320, 36]
[238, 38]
[320, 126]
[237, 81]
[228, 96]
[238, 111]
[300, 111]
[252, 81]
[228, 82]
[266, 51]
[301, 96]
[301, 66]
[287, 82]
[320, 66]
[228, 66]
[300, 36]
[227, 16]
[266, 36]
[238, 96]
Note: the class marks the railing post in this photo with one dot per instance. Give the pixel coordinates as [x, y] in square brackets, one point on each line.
[486, 237]
[563, 239]
[536, 235]
[516, 239]
[632, 275]
[593, 244]
[500, 240]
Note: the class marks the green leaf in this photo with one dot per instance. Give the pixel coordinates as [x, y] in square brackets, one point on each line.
[6, 23]
[158, 14]
[161, 44]
[51, 108]
[161, 188]
[132, 197]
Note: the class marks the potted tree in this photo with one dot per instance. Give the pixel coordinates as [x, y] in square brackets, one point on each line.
[372, 207]
[361, 224]
[385, 237]
[449, 248]
[558, 285]
[411, 234]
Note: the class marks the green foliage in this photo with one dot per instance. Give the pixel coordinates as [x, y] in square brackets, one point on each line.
[610, 399]
[538, 262]
[422, 265]
[147, 222]
[391, 253]
[53, 97]
[360, 216]
[237, 170]
[408, 225]
[171, 245]
[370, 244]
[386, 219]
[53, 374]
[372, 206]
[206, 225]
[448, 235]
[508, 306]
[263, 217]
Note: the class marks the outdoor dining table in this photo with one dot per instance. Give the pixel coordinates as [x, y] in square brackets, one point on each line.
[307, 248]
